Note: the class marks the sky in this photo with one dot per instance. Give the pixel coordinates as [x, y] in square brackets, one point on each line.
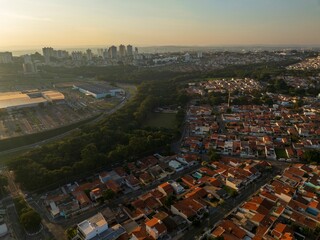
[75, 23]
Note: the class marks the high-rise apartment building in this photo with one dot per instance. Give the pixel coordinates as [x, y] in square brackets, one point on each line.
[122, 51]
[129, 50]
[47, 53]
[112, 52]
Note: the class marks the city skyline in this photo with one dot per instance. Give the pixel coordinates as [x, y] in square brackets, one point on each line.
[34, 24]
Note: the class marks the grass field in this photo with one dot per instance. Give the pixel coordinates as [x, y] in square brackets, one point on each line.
[165, 120]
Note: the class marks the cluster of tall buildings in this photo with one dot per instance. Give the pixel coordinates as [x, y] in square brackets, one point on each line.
[111, 53]
[49, 53]
[114, 53]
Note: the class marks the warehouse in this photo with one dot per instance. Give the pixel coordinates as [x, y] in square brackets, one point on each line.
[17, 100]
[98, 91]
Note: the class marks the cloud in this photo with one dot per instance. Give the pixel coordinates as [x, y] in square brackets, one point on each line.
[30, 18]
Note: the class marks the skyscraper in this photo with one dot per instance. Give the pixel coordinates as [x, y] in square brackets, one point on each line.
[136, 51]
[129, 50]
[122, 51]
[47, 53]
[28, 66]
[112, 52]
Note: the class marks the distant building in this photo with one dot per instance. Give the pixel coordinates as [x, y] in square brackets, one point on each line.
[122, 51]
[187, 57]
[76, 56]
[100, 52]
[47, 53]
[129, 50]
[136, 52]
[28, 66]
[199, 54]
[112, 52]
[6, 57]
[89, 55]
[98, 91]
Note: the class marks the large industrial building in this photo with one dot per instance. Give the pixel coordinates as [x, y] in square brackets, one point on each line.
[33, 98]
[98, 91]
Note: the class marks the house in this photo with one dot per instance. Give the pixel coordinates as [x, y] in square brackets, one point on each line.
[82, 198]
[90, 228]
[166, 189]
[189, 181]
[132, 182]
[189, 209]
[145, 178]
[175, 165]
[104, 177]
[113, 185]
[95, 194]
[156, 228]
[178, 189]
[229, 230]
[282, 231]
[140, 233]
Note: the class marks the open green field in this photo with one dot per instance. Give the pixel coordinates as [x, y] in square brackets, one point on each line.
[161, 120]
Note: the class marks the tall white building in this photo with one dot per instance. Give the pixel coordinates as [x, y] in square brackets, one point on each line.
[6, 57]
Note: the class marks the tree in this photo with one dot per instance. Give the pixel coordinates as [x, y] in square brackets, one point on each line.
[108, 194]
[213, 155]
[71, 232]
[312, 156]
[30, 220]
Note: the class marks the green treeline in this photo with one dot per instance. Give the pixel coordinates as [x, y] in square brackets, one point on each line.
[118, 138]
[28, 217]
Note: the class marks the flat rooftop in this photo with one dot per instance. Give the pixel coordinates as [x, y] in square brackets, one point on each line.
[95, 88]
[26, 98]
[89, 225]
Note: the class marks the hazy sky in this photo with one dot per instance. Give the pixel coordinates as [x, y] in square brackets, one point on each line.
[36, 23]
